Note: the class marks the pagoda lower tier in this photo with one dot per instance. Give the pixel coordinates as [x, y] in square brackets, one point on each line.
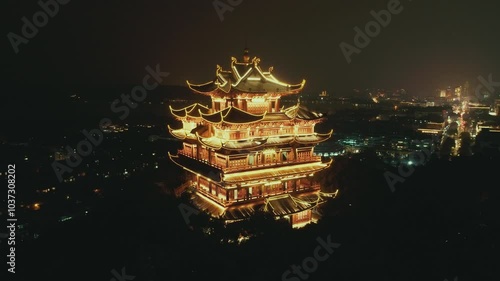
[284, 189]
[231, 186]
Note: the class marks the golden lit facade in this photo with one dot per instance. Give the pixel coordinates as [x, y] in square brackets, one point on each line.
[246, 152]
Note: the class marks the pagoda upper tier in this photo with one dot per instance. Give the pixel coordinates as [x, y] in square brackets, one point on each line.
[245, 77]
[232, 115]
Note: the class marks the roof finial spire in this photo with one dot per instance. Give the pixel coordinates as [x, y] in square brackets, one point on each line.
[246, 55]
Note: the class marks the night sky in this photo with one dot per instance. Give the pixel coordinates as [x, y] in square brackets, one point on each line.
[430, 44]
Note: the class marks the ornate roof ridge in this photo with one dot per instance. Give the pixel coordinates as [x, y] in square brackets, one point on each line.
[239, 72]
[225, 116]
[187, 110]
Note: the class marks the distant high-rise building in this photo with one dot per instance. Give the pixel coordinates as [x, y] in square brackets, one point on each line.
[458, 92]
[466, 89]
[449, 92]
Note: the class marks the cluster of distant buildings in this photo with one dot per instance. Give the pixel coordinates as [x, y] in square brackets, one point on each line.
[405, 124]
[479, 98]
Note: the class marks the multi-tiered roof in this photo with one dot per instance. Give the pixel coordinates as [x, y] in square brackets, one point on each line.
[231, 115]
[246, 120]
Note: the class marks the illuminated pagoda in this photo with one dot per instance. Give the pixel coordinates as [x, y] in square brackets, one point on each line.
[246, 152]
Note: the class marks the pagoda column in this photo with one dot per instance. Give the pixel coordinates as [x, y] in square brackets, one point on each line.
[244, 105]
[211, 156]
[237, 190]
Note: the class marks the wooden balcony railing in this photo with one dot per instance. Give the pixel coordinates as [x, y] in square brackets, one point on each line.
[256, 166]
